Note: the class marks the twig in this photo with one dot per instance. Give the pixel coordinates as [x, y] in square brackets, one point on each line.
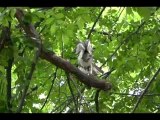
[41, 85]
[123, 42]
[117, 18]
[105, 75]
[9, 79]
[145, 90]
[103, 33]
[95, 22]
[69, 101]
[109, 32]
[8, 41]
[82, 98]
[96, 100]
[154, 94]
[80, 94]
[55, 75]
[135, 32]
[72, 93]
[33, 65]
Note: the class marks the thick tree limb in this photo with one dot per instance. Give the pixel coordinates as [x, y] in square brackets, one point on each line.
[6, 40]
[145, 90]
[28, 28]
[84, 78]
[58, 61]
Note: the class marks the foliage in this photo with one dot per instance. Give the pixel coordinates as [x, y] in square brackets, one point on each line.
[127, 39]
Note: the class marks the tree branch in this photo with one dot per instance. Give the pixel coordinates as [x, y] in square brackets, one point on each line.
[80, 94]
[103, 33]
[69, 100]
[5, 37]
[6, 41]
[58, 61]
[33, 35]
[135, 95]
[96, 100]
[145, 90]
[9, 80]
[115, 22]
[128, 37]
[55, 75]
[21, 103]
[72, 93]
[122, 43]
[95, 22]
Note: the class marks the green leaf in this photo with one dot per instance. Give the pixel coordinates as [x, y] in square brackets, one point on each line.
[59, 16]
[27, 19]
[144, 12]
[40, 14]
[129, 10]
[2, 69]
[65, 38]
[53, 29]
[5, 22]
[80, 23]
[49, 21]
[12, 13]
